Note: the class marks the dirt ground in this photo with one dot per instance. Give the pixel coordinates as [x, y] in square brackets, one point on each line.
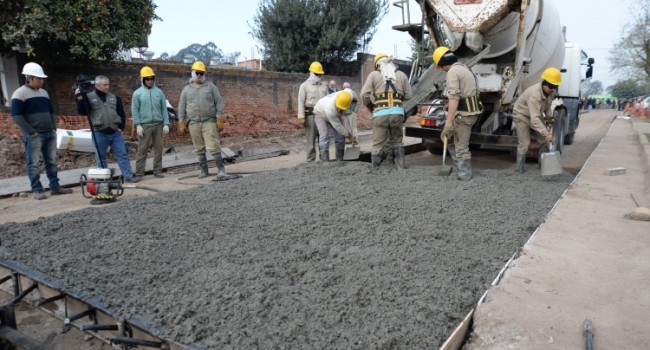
[318, 255]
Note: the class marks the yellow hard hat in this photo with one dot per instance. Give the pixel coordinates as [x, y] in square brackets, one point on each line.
[378, 57]
[552, 75]
[343, 100]
[438, 53]
[199, 66]
[146, 72]
[316, 68]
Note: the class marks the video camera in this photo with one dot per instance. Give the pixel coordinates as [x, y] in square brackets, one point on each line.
[84, 83]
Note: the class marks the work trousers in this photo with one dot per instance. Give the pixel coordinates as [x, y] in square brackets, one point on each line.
[325, 132]
[523, 137]
[116, 142]
[460, 137]
[44, 143]
[311, 136]
[153, 137]
[205, 137]
[387, 134]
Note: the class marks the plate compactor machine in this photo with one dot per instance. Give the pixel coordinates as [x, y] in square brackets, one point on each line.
[101, 186]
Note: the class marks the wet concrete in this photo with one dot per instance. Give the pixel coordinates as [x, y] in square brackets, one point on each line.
[316, 256]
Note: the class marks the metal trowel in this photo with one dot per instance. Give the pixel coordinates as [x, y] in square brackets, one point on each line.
[352, 151]
[551, 162]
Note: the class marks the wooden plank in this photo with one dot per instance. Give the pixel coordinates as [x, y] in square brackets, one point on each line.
[457, 337]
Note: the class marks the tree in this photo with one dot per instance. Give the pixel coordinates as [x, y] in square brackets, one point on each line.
[293, 33]
[592, 87]
[632, 56]
[205, 53]
[62, 30]
[626, 88]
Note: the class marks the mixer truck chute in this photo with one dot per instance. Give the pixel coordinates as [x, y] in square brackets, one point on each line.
[507, 44]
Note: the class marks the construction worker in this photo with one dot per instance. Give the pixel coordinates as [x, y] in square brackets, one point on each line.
[463, 109]
[202, 110]
[149, 111]
[32, 111]
[532, 112]
[312, 90]
[328, 112]
[385, 90]
[106, 112]
[350, 115]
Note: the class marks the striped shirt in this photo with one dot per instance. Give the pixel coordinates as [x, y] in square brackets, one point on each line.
[32, 111]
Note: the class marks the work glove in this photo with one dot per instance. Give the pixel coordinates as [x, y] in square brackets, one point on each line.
[548, 137]
[182, 127]
[302, 121]
[166, 129]
[140, 130]
[220, 124]
[447, 130]
[351, 139]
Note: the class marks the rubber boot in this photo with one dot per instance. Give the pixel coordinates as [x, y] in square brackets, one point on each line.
[452, 152]
[219, 161]
[521, 159]
[339, 154]
[376, 161]
[324, 153]
[399, 157]
[203, 165]
[390, 158]
[464, 171]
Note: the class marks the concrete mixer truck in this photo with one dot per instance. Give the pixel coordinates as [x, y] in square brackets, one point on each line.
[507, 44]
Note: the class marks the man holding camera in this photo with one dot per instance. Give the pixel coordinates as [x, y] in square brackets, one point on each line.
[149, 111]
[32, 111]
[106, 112]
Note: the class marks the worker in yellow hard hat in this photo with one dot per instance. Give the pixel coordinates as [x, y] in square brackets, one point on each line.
[463, 109]
[532, 114]
[149, 111]
[201, 109]
[310, 91]
[328, 111]
[385, 90]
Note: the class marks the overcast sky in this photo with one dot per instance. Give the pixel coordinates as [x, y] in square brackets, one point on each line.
[594, 24]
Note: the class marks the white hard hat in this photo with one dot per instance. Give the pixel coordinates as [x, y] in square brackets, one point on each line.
[34, 69]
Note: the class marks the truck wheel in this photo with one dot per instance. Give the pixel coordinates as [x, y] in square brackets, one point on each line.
[558, 130]
[568, 139]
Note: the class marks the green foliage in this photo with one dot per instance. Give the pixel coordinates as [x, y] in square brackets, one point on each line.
[204, 53]
[293, 33]
[592, 87]
[631, 57]
[63, 30]
[626, 88]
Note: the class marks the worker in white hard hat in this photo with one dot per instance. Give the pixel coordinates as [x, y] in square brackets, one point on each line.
[310, 91]
[328, 112]
[32, 111]
[201, 109]
[384, 92]
[532, 114]
[463, 109]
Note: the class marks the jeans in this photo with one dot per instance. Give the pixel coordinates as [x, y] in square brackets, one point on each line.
[116, 142]
[44, 143]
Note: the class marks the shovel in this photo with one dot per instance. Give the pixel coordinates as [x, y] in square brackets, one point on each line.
[551, 161]
[444, 170]
[352, 152]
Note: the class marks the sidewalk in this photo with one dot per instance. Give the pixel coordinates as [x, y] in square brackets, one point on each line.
[585, 262]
